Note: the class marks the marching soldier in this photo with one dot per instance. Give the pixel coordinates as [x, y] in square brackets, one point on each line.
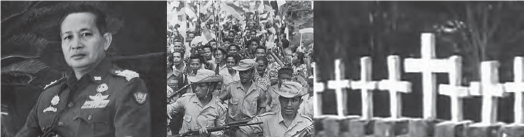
[96, 98]
[288, 122]
[246, 98]
[201, 109]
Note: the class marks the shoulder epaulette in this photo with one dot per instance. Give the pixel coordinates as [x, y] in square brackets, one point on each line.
[54, 83]
[267, 114]
[128, 74]
[187, 94]
[306, 117]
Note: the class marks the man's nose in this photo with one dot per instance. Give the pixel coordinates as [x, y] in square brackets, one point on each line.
[76, 44]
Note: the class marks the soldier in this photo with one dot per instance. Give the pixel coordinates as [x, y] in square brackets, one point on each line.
[246, 98]
[285, 123]
[96, 98]
[201, 109]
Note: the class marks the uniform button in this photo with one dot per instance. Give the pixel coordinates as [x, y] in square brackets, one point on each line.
[60, 123]
[70, 104]
[90, 117]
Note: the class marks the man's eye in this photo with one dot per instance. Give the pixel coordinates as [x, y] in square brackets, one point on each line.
[86, 34]
[67, 37]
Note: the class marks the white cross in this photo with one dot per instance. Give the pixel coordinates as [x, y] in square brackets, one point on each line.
[517, 87]
[338, 84]
[427, 65]
[454, 89]
[395, 86]
[366, 85]
[317, 89]
[490, 88]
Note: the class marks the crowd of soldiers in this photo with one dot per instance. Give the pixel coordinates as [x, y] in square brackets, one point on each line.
[243, 73]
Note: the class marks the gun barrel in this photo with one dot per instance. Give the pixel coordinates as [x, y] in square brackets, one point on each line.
[214, 129]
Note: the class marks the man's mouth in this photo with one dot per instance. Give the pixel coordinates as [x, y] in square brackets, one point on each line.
[78, 56]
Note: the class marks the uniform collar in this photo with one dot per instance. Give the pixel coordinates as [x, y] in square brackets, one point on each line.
[210, 104]
[95, 75]
[252, 87]
[295, 121]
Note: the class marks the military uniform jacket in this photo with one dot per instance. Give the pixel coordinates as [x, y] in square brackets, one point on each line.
[197, 115]
[243, 103]
[273, 125]
[106, 102]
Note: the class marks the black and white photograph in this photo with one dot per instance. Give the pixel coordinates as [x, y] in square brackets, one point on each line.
[240, 68]
[419, 69]
[83, 69]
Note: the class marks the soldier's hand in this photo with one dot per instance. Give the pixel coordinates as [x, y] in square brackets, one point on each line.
[203, 131]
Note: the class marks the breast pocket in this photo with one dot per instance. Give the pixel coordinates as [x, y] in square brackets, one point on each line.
[94, 124]
[233, 107]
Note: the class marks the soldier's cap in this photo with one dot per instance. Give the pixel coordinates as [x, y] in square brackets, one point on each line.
[245, 64]
[291, 89]
[203, 76]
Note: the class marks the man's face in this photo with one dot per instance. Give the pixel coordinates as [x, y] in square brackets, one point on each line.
[295, 58]
[190, 36]
[260, 53]
[178, 46]
[254, 45]
[177, 58]
[284, 77]
[195, 64]
[172, 82]
[253, 34]
[246, 76]
[233, 50]
[218, 56]
[289, 106]
[231, 34]
[213, 44]
[207, 53]
[261, 67]
[230, 62]
[201, 90]
[83, 45]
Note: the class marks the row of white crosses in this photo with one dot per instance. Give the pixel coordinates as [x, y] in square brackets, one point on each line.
[489, 86]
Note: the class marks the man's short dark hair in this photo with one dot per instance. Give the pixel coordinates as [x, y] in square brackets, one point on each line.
[261, 47]
[207, 46]
[300, 57]
[233, 45]
[285, 70]
[221, 50]
[100, 17]
[200, 58]
[235, 56]
[253, 40]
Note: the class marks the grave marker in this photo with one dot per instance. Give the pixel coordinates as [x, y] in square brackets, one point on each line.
[338, 84]
[427, 65]
[366, 85]
[395, 86]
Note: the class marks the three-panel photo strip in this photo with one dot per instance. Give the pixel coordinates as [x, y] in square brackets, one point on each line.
[237, 68]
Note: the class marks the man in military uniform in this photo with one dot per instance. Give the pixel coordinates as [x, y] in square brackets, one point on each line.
[285, 123]
[96, 99]
[246, 98]
[201, 109]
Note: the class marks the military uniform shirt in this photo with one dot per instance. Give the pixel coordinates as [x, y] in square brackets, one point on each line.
[106, 102]
[196, 115]
[243, 103]
[273, 125]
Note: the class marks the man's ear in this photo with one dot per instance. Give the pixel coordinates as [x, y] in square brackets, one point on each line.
[108, 38]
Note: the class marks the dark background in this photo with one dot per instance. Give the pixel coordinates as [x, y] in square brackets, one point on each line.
[350, 30]
[30, 33]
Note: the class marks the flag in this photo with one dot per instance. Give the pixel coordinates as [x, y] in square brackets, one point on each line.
[306, 30]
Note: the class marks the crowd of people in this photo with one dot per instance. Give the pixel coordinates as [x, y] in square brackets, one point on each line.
[227, 71]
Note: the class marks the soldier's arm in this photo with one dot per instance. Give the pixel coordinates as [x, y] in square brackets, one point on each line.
[220, 121]
[132, 114]
[177, 107]
[225, 93]
[31, 127]
[251, 129]
[262, 102]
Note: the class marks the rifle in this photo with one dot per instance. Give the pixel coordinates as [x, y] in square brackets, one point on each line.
[213, 129]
